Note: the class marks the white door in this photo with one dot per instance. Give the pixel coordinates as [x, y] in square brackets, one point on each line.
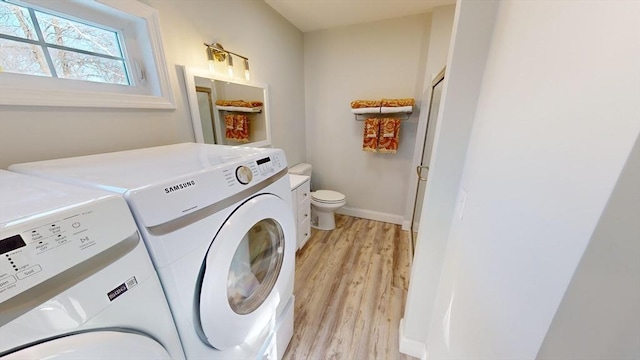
[246, 271]
[94, 345]
[423, 168]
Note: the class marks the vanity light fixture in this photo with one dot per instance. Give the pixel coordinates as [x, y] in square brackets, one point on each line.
[215, 52]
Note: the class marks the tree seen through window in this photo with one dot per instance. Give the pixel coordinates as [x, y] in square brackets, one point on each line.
[38, 43]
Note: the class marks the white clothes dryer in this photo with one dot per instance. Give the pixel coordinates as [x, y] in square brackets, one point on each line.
[76, 281]
[218, 223]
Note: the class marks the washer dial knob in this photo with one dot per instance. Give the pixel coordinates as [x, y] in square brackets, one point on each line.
[244, 174]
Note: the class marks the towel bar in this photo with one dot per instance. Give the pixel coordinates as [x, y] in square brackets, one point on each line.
[400, 115]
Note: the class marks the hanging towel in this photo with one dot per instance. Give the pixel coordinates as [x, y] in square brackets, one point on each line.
[370, 138]
[242, 128]
[229, 126]
[388, 138]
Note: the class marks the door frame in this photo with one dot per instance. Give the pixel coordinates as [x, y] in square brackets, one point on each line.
[421, 134]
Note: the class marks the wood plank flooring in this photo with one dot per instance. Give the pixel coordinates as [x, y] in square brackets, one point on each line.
[351, 284]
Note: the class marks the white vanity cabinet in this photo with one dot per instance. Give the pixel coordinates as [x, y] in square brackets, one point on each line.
[301, 202]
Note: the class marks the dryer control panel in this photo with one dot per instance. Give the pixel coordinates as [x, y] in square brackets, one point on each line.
[49, 246]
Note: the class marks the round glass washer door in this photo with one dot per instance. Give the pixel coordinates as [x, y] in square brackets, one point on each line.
[246, 271]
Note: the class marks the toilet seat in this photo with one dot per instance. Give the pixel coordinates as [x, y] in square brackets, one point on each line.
[327, 196]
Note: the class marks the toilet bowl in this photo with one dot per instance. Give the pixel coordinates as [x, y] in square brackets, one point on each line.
[323, 202]
[323, 205]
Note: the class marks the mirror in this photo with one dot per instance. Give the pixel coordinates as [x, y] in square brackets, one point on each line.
[226, 111]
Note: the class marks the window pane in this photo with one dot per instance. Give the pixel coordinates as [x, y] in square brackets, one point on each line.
[22, 58]
[76, 35]
[72, 65]
[15, 21]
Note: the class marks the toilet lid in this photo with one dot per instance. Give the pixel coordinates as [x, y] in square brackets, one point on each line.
[327, 196]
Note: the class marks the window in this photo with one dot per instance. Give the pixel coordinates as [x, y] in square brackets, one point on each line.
[37, 43]
[104, 53]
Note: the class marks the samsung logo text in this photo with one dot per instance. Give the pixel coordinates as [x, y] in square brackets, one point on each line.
[177, 187]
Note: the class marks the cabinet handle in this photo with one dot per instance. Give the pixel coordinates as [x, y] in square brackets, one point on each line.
[306, 215]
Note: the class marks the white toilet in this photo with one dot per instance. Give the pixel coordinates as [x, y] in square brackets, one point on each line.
[323, 202]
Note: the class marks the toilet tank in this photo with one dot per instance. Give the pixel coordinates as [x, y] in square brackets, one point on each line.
[301, 169]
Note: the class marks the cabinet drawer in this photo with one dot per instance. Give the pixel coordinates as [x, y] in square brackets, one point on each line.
[304, 211]
[302, 192]
[294, 206]
[304, 232]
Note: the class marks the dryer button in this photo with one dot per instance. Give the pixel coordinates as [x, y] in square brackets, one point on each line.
[244, 174]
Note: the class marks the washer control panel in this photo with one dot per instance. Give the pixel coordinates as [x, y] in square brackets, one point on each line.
[35, 250]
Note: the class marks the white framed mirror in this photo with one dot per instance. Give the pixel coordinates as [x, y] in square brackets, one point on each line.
[227, 111]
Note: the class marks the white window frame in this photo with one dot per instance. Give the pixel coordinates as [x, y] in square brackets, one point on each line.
[149, 76]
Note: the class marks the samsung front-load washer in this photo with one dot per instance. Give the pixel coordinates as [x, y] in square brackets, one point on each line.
[218, 223]
[76, 281]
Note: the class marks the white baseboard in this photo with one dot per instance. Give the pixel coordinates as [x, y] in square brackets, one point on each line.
[406, 225]
[411, 347]
[371, 215]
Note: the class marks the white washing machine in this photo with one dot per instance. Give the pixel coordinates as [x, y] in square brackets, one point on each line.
[218, 223]
[76, 281]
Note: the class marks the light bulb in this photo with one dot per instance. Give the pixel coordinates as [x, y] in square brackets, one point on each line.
[211, 58]
[230, 63]
[247, 75]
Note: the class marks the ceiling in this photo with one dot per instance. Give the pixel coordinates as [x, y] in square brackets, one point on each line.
[310, 15]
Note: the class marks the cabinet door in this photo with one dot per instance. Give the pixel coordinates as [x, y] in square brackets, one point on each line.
[303, 192]
[294, 209]
[304, 231]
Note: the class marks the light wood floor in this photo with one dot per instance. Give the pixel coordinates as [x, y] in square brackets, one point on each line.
[350, 287]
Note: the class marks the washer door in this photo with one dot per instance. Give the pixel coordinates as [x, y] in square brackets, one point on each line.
[103, 345]
[247, 268]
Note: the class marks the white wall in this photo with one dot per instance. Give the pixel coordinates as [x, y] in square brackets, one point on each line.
[383, 59]
[473, 26]
[605, 289]
[555, 123]
[250, 27]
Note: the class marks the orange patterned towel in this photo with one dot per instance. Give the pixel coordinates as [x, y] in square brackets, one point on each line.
[370, 138]
[242, 128]
[239, 103]
[229, 126]
[357, 104]
[398, 102]
[388, 138]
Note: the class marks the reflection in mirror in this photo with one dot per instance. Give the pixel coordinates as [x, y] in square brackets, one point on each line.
[205, 108]
[227, 112]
